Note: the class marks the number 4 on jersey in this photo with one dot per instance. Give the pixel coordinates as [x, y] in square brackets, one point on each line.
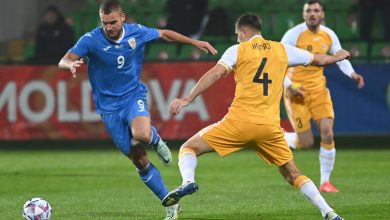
[265, 79]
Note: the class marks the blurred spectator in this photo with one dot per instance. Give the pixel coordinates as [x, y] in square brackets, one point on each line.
[53, 38]
[218, 23]
[368, 9]
[386, 52]
[186, 16]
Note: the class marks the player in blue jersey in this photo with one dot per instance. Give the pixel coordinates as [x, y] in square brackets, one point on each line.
[115, 54]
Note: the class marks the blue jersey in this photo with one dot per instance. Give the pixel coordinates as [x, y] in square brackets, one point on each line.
[114, 68]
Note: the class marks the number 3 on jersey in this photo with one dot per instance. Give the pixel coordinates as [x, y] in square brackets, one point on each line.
[265, 79]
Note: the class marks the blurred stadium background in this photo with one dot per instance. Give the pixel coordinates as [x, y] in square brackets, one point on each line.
[40, 102]
[17, 45]
[43, 108]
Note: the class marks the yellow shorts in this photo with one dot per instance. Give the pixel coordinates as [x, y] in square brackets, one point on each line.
[228, 136]
[315, 105]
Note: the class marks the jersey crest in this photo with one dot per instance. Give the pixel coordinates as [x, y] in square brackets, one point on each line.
[132, 43]
[114, 67]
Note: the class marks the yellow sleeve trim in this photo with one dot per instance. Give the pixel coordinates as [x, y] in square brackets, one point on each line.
[224, 65]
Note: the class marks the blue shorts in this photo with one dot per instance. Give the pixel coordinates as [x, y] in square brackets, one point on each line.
[118, 124]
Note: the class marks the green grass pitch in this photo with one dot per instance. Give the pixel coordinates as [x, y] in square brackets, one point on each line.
[103, 184]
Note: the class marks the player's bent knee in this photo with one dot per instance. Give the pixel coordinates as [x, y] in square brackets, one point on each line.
[326, 131]
[142, 136]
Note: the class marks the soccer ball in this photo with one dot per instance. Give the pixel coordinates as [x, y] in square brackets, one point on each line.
[36, 209]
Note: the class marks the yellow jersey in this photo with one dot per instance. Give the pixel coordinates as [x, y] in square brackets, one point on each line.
[259, 73]
[325, 40]
[259, 68]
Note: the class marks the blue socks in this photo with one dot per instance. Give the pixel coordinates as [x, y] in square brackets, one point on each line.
[155, 138]
[152, 178]
[150, 174]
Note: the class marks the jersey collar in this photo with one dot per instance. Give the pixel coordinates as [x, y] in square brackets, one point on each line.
[122, 36]
[257, 35]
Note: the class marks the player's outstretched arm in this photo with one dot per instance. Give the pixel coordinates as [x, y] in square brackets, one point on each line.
[324, 60]
[297, 56]
[208, 79]
[70, 62]
[173, 36]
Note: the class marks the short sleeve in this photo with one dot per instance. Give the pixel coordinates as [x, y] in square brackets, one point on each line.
[229, 58]
[84, 46]
[148, 34]
[298, 56]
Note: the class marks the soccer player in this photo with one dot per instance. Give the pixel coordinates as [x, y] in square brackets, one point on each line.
[253, 119]
[115, 54]
[307, 96]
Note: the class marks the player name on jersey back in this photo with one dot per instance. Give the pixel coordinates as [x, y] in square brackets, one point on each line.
[263, 46]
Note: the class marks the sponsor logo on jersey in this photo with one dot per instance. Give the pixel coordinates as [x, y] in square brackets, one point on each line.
[309, 47]
[106, 48]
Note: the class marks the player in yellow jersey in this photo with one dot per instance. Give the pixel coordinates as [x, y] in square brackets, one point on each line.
[253, 119]
[315, 102]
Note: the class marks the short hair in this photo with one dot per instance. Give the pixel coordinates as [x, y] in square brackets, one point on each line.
[311, 2]
[107, 6]
[250, 20]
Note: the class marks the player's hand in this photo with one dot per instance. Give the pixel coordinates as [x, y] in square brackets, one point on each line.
[73, 66]
[359, 79]
[205, 47]
[177, 104]
[342, 55]
[295, 92]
